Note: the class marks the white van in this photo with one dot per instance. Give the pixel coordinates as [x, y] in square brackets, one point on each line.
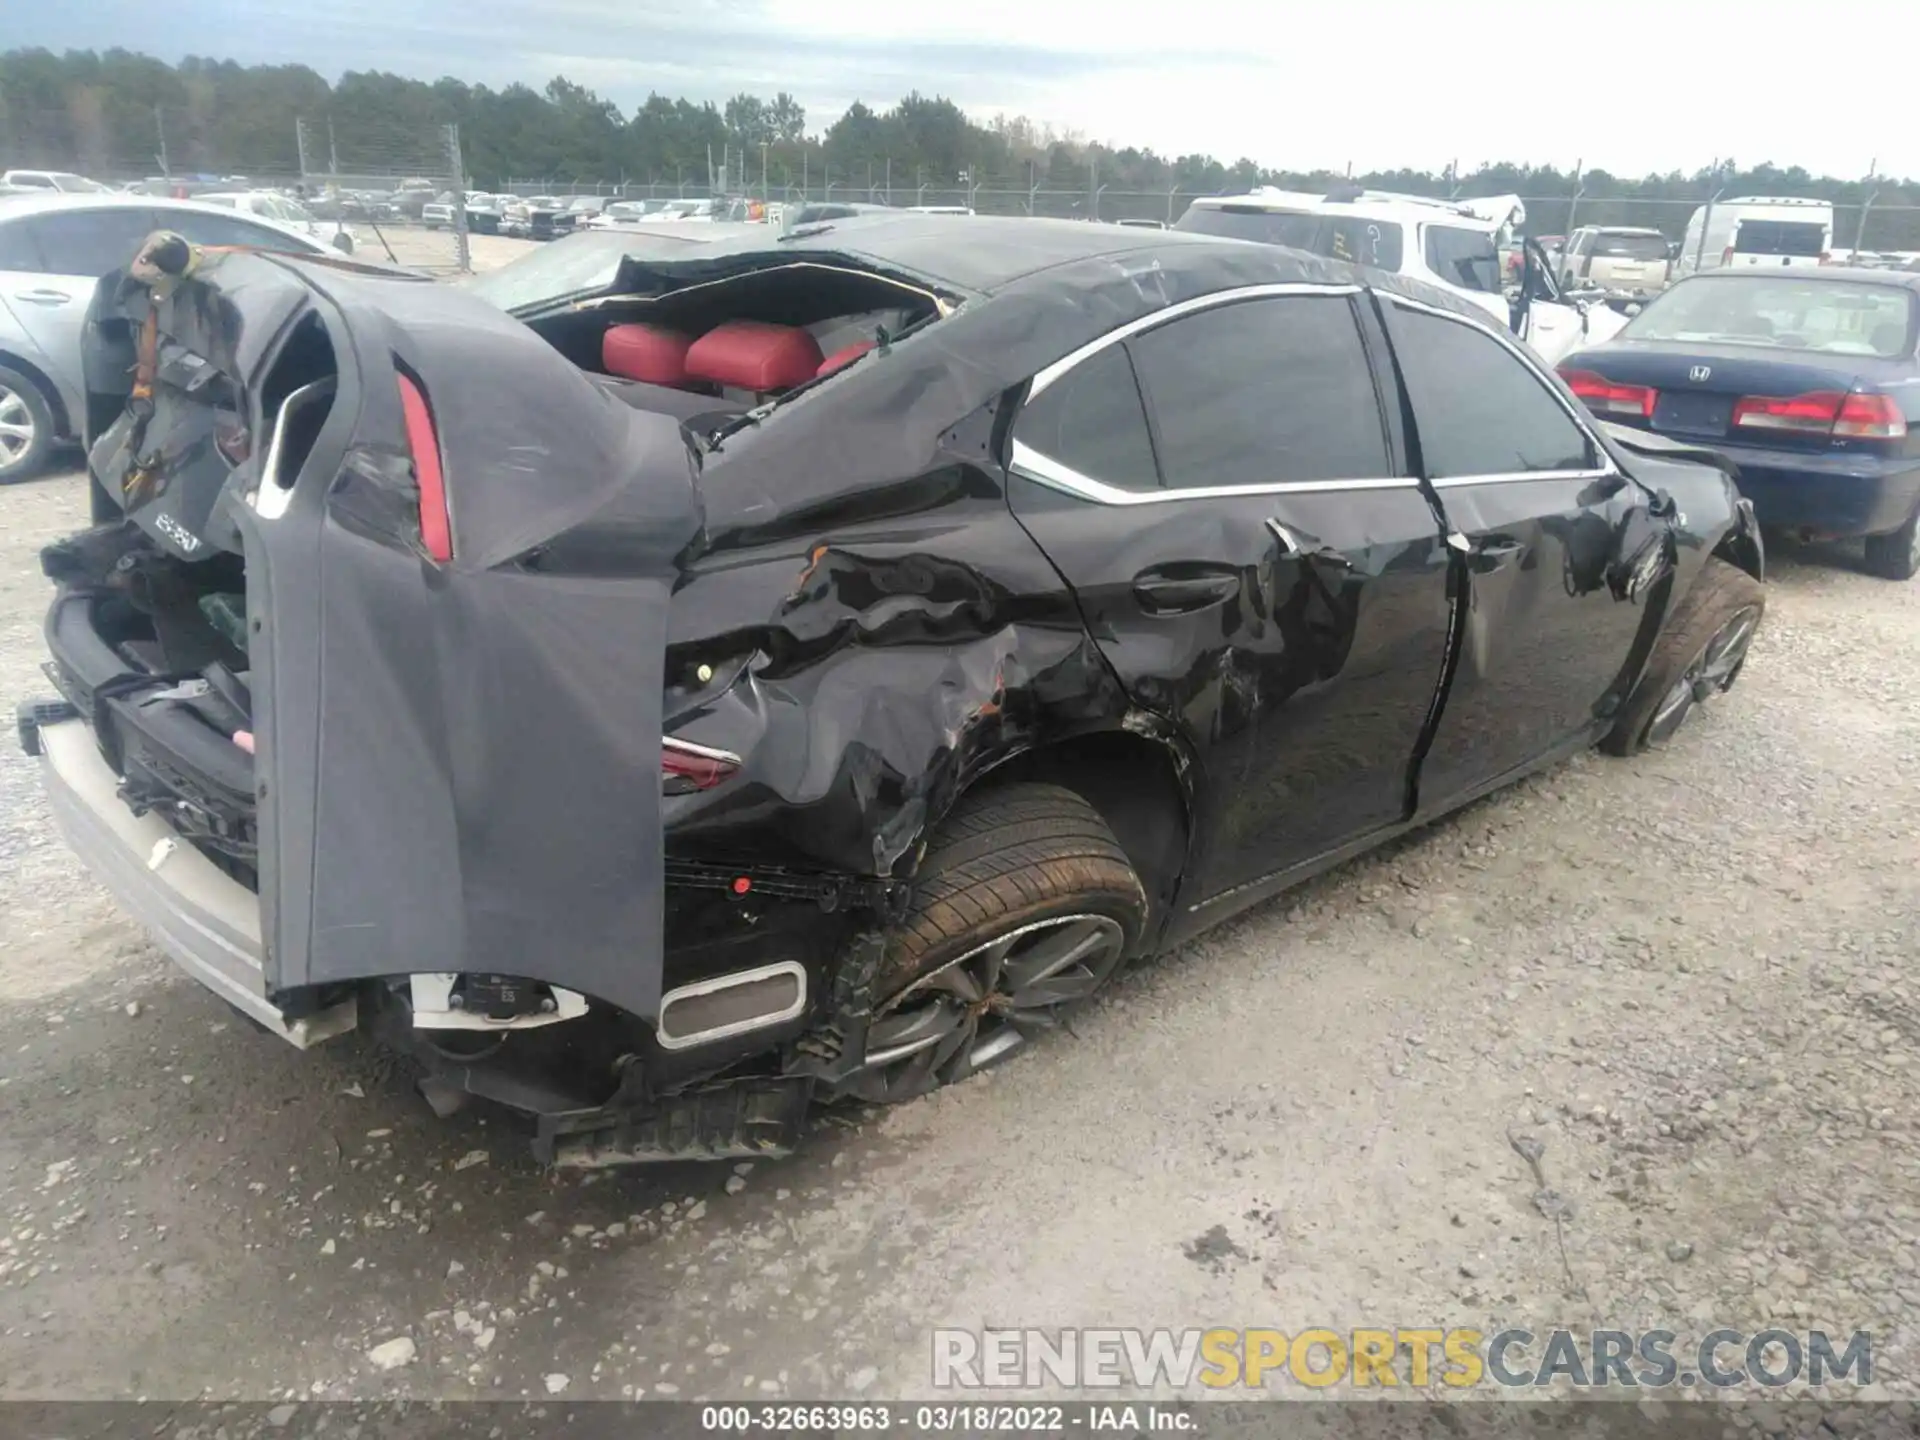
[1756, 231]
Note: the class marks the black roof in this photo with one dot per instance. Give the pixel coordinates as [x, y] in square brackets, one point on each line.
[979, 253]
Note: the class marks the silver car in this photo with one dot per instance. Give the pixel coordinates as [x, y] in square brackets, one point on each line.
[53, 248]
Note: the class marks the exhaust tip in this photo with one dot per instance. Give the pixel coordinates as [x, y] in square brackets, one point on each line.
[730, 1005]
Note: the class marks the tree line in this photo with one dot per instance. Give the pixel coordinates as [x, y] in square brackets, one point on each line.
[117, 114]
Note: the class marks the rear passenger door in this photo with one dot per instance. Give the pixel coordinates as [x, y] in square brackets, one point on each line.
[1220, 486]
[1540, 515]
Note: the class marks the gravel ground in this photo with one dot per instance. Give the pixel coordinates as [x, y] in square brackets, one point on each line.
[1683, 976]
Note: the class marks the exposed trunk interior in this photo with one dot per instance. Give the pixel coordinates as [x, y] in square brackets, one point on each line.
[153, 650]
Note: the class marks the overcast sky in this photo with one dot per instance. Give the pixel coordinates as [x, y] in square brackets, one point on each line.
[1296, 86]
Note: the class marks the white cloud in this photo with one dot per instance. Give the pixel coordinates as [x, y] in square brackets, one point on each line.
[1630, 85]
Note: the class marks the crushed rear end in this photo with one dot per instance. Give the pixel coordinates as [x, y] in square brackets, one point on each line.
[359, 677]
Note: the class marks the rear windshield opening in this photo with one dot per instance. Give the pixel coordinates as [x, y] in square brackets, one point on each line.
[735, 343]
[1800, 238]
[1354, 238]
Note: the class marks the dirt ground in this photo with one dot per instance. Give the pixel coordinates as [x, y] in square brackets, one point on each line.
[1687, 977]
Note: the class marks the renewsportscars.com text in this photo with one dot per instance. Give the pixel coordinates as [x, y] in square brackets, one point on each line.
[1259, 1359]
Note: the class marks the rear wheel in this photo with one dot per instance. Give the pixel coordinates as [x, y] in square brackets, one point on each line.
[26, 428]
[1700, 653]
[1025, 907]
[1896, 556]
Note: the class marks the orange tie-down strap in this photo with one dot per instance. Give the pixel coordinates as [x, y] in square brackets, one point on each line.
[165, 256]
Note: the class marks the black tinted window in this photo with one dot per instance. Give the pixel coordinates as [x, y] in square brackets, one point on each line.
[1263, 392]
[227, 230]
[1462, 257]
[1480, 409]
[89, 242]
[1090, 420]
[1800, 238]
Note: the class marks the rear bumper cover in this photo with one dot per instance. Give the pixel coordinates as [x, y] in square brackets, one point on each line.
[1826, 499]
[207, 922]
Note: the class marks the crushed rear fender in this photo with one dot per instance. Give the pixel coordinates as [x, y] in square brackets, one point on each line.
[457, 765]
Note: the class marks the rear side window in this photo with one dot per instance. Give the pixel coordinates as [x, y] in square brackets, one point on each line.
[1480, 409]
[1091, 421]
[1804, 239]
[1263, 392]
[17, 250]
[1467, 258]
[89, 242]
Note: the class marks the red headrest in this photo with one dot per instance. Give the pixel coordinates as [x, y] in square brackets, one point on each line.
[645, 352]
[749, 355]
[844, 357]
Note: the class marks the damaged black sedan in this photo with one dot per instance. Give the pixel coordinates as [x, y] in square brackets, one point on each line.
[809, 666]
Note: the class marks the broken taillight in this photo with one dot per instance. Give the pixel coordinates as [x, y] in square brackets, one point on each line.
[686, 767]
[423, 441]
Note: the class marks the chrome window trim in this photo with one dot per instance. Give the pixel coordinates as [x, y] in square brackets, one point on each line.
[1606, 470]
[1061, 366]
[274, 493]
[1030, 464]
[1512, 477]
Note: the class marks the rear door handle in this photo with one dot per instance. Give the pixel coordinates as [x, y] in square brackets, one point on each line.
[1161, 592]
[44, 297]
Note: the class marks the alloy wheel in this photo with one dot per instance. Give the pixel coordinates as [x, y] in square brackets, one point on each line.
[980, 1008]
[1712, 672]
[16, 428]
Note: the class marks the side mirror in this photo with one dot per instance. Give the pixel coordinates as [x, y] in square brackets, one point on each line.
[1633, 309]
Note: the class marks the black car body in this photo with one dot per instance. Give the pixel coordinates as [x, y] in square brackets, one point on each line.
[626, 687]
[1815, 399]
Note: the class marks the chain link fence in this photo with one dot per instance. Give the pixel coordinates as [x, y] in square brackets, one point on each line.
[380, 177]
[1886, 227]
[401, 189]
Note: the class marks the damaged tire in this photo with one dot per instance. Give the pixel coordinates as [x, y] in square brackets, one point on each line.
[1025, 907]
[1700, 653]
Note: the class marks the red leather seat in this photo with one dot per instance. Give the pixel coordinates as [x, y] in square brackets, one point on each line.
[844, 356]
[645, 352]
[752, 355]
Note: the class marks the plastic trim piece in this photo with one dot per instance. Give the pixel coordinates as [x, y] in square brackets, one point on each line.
[1034, 466]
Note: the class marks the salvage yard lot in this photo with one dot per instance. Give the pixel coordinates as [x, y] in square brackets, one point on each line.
[1688, 976]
